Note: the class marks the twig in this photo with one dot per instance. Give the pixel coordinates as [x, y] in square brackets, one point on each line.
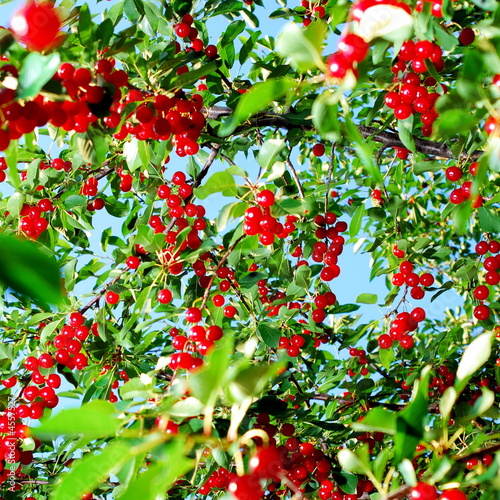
[401, 492]
[295, 177]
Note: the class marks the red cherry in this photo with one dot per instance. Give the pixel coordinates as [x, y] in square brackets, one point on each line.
[481, 292]
[353, 47]
[482, 312]
[193, 315]
[265, 198]
[133, 262]
[37, 25]
[337, 66]
[453, 174]
[384, 341]
[424, 491]
[403, 111]
[453, 495]
[467, 36]
[111, 297]
[267, 463]
[318, 150]
[164, 296]
[246, 487]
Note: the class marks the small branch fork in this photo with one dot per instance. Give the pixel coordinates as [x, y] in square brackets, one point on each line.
[387, 139]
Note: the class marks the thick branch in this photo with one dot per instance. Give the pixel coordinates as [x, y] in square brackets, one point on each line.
[387, 139]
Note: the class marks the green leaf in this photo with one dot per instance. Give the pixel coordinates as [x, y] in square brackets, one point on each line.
[269, 152]
[161, 475]
[85, 25]
[475, 355]
[75, 200]
[87, 473]
[377, 420]
[93, 420]
[446, 403]
[193, 75]
[15, 204]
[408, 472]
[427, 166]
[325, 115]
[367, 298]
[410, 421]
[258, 98]
[454, 121]
[303, 276]
[405, 129]
[249, 381]
[36, 71]
[269, 334]
[92, 147]
[11, 158]
[29, 271]
[489, 221]
[303, 46]
[136, 388]
[189, 407]
[220, 182]
[386, 357]
[355, 224]
[205, 384]
[354, 462]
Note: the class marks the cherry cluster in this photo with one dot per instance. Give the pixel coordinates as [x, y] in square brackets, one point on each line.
[464, 192]
[198, 342]
[359, 359]
[400, 329]
[258, 220]
[425, 491]
[443, 379]
[406, 276]
[491, 264]
[313, 9]
[289, 467]
[411, 95]
[32, 224]
[352, 49]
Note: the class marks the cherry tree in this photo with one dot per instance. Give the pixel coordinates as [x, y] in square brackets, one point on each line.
[183, 186]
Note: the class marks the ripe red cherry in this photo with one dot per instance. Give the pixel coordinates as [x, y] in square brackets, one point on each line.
[353, 47]
[164, 296]
[193, 315]
[245, 487]
[111, 297]
[453, 495]
[37, 25]
[467, 36]
[482, 312]
[133, 262]
[318, 150]
[453, 174]
[403, 111]
[265, 198]
[266, 463]
[230, 311]
[182, 30]
[481, 292]
[337, 66]
[423, 491]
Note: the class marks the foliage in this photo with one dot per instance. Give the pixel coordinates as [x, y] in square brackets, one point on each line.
[195, 180]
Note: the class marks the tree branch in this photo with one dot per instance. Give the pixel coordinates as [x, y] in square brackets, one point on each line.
[387, 139]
